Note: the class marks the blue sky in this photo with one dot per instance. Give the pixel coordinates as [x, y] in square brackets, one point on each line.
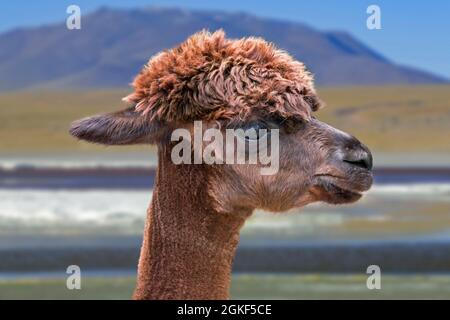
[415, 33]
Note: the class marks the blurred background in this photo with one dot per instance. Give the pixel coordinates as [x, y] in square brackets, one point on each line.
[64, 202]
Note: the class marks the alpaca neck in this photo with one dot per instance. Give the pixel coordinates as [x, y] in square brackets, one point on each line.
[188, 247]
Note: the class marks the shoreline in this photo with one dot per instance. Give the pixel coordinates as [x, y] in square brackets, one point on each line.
[148, 159]
[395, 257]
[144, 177]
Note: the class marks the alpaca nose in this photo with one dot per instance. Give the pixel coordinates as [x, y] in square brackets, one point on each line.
[357, 154]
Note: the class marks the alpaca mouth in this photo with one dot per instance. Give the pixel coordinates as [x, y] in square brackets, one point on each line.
[338, 190]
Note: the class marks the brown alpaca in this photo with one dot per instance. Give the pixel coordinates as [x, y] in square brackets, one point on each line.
[197, 211]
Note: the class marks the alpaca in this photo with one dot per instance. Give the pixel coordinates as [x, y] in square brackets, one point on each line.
[197, 211]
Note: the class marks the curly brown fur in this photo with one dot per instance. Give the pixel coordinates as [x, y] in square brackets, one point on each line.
[210, 77]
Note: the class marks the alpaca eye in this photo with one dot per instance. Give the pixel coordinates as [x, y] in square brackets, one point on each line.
[255, 131]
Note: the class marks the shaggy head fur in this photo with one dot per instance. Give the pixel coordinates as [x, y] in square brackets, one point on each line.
[210, 77]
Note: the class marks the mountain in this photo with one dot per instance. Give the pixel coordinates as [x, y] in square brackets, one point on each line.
[113, 45]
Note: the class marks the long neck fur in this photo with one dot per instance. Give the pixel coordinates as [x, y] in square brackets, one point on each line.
[188, 246]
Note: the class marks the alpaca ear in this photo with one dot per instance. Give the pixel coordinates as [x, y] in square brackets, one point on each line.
[117, 128]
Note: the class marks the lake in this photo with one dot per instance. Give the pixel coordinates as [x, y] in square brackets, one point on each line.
[51, 217]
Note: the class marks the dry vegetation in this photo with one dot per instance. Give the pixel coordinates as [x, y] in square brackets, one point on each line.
[392, 119]
[247, 286]
[389, 119]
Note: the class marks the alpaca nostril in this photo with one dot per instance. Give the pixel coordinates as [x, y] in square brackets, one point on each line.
[361, 158]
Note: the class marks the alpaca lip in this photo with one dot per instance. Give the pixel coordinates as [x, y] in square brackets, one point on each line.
[334, 183]
[336, 190]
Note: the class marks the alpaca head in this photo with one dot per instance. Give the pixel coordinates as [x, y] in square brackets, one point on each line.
[245, 83]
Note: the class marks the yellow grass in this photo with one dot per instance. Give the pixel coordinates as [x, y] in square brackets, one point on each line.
[246, 286]
[392, 119]
[388, 119]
